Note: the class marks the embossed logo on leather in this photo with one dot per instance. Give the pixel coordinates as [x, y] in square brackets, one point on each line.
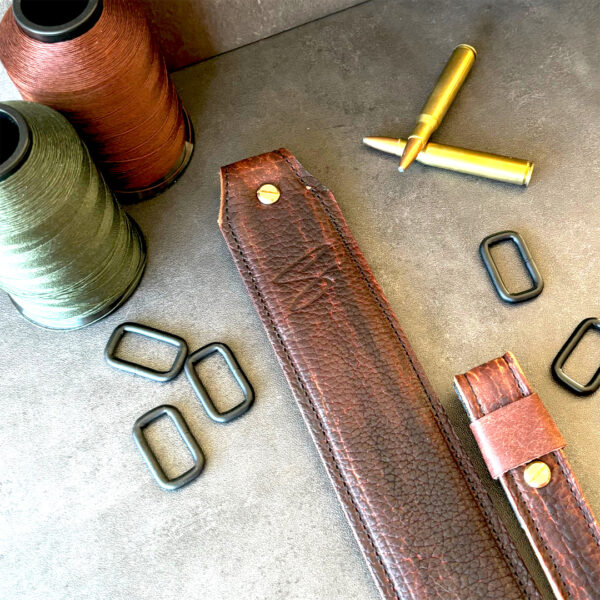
[312, 270]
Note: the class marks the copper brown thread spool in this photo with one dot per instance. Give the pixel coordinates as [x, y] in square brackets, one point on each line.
[96, 62]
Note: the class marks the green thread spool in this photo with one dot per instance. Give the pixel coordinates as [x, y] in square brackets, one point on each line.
[69, 255]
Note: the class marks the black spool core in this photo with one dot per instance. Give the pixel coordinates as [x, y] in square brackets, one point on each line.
[56, 20]
[15, 140]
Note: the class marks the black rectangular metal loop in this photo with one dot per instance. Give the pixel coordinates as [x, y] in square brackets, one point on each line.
[561, 358]
[149, 456]
[200, 390]
[492, 268]
[137, 369]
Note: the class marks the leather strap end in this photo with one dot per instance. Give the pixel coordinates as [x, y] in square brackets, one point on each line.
[422, 519]
[513, 428]
[516, 434]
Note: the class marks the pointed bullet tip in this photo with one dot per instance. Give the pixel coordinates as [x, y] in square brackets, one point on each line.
[385, 144]
[400, 170]
[411, 151]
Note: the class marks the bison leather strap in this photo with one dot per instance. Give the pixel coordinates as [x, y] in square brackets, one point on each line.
[513, 429]
[421, 516]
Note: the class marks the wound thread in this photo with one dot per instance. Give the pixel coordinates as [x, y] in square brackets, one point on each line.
[69, 255]
[112, 84]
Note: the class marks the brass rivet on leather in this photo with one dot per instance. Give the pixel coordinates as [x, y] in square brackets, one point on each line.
[268, 193]
[537, 474]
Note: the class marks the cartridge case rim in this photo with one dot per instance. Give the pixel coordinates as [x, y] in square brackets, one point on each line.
[468, 47]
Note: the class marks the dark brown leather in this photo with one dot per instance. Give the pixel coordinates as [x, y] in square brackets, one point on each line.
[420, 514]
[516, 434]
[556, 518]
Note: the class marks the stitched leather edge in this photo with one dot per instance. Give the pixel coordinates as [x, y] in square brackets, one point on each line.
[570, 479]
[512, 484]
[521, 498]
[581, 501]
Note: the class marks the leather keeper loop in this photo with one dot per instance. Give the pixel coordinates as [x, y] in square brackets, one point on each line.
[516, 434]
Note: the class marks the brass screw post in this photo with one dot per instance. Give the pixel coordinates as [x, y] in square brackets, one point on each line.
[268, 193]
[537, 474]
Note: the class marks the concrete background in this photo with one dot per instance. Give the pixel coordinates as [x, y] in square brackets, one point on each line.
[192, 30]
[80, 515]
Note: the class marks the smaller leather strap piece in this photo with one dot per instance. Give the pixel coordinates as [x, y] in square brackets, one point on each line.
[513, 428]
[516, 434]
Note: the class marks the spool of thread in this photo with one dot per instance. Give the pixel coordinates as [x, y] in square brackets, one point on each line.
[69, 255]
[95, 61]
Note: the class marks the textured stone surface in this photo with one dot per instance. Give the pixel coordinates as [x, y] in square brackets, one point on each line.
[191, 30]
[80, 515]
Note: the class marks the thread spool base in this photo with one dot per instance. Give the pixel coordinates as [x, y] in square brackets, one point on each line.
[131, 197]
[79, 323]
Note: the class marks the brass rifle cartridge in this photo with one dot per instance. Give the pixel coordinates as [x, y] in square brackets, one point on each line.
[450, 81]
[472, 162]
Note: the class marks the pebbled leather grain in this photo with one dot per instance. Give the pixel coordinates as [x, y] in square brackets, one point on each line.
[418, 510]
[557, 519]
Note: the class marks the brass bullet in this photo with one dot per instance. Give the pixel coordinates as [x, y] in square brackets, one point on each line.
[482, 164]
[449, 82]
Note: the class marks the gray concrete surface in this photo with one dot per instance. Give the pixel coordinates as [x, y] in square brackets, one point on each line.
[192, 30]
[80, 516]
